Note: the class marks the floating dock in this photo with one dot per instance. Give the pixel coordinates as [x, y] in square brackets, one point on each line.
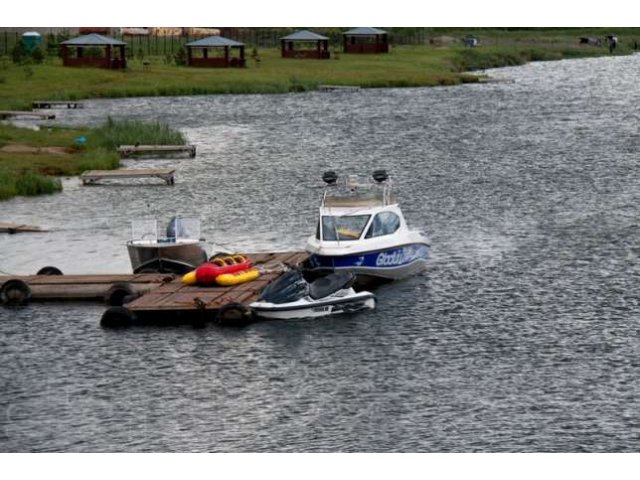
[127, 151]
[4, 114]
[83, 287]
[153, 296]
[18, 228]
[91, 177]
[338, 88]
[49, 104]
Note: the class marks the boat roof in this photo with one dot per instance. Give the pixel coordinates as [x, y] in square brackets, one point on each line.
[355, 192]
[357, 202]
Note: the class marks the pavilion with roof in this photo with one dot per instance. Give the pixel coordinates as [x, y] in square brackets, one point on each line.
[198, 52]
[366, 40]
[75, 52]
[293, 46]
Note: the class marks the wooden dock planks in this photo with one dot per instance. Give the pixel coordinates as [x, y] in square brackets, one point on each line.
[174, 296]
[338, 88]
[6, 227]
[86, 287]
[91, 177]
[160, 292]
[16, 114]
[127, 151]
[48, 104]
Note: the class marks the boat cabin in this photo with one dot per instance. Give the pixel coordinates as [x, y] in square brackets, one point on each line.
[357, 209]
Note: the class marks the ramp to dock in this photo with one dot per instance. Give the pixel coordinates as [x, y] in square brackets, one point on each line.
[48, 104]
[92, 177]
[86, 287]
[6, 227]
[16, 114]
[127, 151]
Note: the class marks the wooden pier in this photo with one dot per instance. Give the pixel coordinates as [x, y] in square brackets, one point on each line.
[338, 88]
[4, 114]
[127, 151]
[91, 177]
[86, 287]
[49, 104]
[175, 296]
[153, 296]
[18, 228]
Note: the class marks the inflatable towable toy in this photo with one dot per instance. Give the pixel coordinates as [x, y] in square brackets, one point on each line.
[234, 269]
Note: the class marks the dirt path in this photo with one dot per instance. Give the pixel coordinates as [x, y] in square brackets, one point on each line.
[18, 148]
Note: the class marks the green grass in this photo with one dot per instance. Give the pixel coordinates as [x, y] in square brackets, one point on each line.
[130, 132]
[30, 173]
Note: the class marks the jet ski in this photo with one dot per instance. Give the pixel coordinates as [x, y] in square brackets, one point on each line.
[291, 296]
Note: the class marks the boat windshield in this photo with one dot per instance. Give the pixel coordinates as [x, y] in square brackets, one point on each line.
[343, 228]
[179, 229]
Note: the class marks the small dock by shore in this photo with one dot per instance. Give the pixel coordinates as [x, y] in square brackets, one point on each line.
[92, 177]
[338, 88]
[7, 227]
[4, 114]
[49, 104]
[127, 151]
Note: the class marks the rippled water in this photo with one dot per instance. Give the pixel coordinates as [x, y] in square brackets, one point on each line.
[522, 336]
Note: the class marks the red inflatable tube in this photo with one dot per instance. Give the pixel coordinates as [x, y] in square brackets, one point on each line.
[207, 272]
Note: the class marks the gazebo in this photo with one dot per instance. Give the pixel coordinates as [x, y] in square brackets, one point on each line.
[220, 44]
[366, 40]
[291, 45]
[114, 52]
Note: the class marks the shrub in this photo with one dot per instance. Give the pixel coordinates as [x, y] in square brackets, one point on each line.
[180, 57]
[37, 54]
[34, 184]
[18, 54]
[28, 71]
[129, 132]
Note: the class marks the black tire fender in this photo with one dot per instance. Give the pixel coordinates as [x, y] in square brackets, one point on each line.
[117, 317]
[117, 292]
[234, 314]
[15, 292]
[49, 270]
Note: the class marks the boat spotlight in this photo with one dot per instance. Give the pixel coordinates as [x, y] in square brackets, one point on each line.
[380, 176]
[330, 177]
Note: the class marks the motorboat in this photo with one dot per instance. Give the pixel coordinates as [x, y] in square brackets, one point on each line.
[179, 250]
[361, 229]
[292, 296]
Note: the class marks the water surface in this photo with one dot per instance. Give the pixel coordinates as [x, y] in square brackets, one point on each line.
[522, 335]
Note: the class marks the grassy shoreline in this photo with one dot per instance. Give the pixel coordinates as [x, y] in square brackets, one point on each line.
[32, 172]
[405, 66]
[30, 160]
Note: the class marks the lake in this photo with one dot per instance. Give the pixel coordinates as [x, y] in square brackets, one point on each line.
[521, 336]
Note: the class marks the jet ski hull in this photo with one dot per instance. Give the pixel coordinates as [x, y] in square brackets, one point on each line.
[344, 301]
